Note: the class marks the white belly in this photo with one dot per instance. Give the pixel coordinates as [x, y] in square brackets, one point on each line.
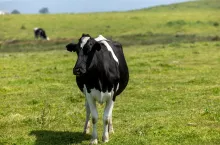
[101, 97]
[98, 96]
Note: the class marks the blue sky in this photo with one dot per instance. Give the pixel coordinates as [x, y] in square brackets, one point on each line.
[79, 6]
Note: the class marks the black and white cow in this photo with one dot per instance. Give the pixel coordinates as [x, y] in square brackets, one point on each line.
[39, 32]
[101, 74]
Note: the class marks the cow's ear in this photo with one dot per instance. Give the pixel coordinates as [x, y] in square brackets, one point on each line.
[71, 47]
[85, 35]
[97, 46]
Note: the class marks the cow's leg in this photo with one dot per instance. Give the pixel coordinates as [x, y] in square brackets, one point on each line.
[87, 123]
[107, 119]
[110, 126]
[36, 36]
[93, 109]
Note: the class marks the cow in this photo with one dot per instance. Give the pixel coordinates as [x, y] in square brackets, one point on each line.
[39, 32]
[101, 74]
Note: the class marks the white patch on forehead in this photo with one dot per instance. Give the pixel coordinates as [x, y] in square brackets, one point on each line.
[36, 28]
[103, 40]
[84, 41]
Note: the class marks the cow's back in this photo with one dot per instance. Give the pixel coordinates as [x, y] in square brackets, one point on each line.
[123, 68]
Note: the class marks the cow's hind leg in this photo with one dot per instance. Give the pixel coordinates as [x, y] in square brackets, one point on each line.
[93, 109]
[107, 119]
[110, 126]
[87, 123]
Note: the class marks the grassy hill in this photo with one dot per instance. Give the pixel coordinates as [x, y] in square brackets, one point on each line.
[185, 22]
[193, 5]
[173, 95]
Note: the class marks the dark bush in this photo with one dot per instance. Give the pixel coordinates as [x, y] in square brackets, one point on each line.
[23, 27]
[176, 23]
[216, 24]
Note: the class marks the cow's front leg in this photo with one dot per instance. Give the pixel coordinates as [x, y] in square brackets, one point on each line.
[92, 107]
[87, 123]
[107, 119]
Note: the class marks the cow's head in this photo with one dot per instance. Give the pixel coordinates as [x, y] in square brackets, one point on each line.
[85, 49]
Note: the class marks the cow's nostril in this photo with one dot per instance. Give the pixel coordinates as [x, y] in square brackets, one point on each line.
[76, 71]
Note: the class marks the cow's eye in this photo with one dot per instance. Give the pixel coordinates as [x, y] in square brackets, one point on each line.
[87, 49]
[90, 44]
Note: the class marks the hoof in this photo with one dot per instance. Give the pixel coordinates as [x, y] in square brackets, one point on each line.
[111, 130]
[94, 141]
[105, 138]
[86, 128]
[86, 131]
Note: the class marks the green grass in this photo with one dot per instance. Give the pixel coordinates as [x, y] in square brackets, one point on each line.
[173, 95]
[172, 98]
[199, 19]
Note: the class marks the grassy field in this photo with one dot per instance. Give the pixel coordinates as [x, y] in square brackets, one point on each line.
[173, 95]
[172, 98]
[192, 21]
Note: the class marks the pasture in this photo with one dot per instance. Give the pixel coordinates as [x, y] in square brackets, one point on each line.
[173, 95]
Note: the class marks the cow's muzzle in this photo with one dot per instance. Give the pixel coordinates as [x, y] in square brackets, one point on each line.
[78, 71]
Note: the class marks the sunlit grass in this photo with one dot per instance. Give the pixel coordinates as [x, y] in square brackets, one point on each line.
[172, 97]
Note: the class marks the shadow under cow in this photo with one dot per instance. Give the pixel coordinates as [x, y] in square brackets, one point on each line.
[44, 137]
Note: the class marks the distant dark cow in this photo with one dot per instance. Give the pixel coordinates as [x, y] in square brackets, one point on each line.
[39, 32]
[101, 74]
